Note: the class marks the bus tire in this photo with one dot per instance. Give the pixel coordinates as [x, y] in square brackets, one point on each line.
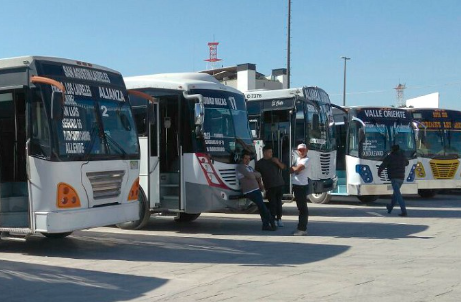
[56, 235]
[144, 214]
[427, 193]
[319, 198]
[186, 217]
[368, 198]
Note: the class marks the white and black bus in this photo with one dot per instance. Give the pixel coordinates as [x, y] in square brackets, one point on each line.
[69, 154]
[286, 117]
[192, 132]
[364, 136]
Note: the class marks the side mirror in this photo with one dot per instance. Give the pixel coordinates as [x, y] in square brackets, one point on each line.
[199, 114]
[361, 134]
[57, 109]
[151, 113]
[315, 122]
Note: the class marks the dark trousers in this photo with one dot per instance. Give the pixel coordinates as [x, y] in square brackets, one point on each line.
[301, 202]
[257, 198]
[274, 195]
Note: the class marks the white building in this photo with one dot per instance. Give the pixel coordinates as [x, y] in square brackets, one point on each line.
[425, 101]
[244, 77]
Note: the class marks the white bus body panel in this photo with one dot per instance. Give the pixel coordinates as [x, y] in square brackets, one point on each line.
[45, 177]
[357, 187]
[199, 196]
[430, 182]
[321, 165]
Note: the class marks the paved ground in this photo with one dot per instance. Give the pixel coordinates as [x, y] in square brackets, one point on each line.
[354, 252]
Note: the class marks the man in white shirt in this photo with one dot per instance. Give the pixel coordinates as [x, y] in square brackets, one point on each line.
[300, 182]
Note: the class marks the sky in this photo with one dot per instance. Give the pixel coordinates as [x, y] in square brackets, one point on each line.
[412, 42]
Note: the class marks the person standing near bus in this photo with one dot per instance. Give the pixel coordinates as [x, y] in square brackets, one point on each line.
[250, 184]
[271, 171]
[300, 182]
[395, 162]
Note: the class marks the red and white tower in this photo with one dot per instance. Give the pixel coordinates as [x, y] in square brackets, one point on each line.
[213, 59]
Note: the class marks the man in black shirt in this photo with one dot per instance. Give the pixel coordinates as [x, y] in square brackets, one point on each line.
[395, 162]
[271, 171]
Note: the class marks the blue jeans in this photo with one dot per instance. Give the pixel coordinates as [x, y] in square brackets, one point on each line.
[397, 196]
[257, 198]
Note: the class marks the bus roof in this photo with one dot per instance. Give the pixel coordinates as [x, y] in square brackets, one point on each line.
[259, 95]
[27, 60]
[177, 81]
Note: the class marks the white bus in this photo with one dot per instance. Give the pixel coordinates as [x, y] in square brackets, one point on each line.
[438, 146]
[364, 137]
[286, 117]
[68, 147]
[192, 132]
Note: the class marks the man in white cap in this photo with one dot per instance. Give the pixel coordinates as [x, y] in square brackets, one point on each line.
[299, 180]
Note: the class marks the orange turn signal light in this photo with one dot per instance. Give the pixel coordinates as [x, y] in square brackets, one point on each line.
[67, 197]
[134, 191]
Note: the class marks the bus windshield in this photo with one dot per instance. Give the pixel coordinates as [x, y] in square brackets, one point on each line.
[97, 122]
[321, 134]
[225, 128]
[439, 142]
[379, 138]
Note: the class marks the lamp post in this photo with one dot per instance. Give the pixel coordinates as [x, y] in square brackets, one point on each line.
[344, 88]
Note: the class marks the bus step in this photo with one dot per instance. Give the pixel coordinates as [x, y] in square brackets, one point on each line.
[7, 236]
[170, 197]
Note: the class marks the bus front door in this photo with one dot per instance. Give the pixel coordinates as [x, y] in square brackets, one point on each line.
[276, 133]
[154, 159]
[14, 200]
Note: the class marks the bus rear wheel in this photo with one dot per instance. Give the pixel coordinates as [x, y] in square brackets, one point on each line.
[320, 198]
[186, 217]
[56, 235]
[427, 193]
[368, 198]
[144, 214]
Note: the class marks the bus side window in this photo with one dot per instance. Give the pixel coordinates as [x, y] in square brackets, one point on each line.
[354, 139]
[40, 138]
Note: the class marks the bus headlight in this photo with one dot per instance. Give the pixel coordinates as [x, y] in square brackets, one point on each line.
[134, 191]
[420, 172]
[411, 175]
[364, 172]
[67, 197]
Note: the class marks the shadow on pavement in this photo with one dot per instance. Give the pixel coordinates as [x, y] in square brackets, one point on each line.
[33, 282]
[154, 248]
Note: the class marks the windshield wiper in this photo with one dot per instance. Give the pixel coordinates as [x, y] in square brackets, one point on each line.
[91, 142]
[114, 142]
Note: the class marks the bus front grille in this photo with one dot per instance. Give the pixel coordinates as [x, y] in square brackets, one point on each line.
[325, 159]
[444, 169]
[229, 176]
[383, 176]
[106, 184]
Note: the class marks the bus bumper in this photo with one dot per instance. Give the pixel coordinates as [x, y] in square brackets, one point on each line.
[439, 184]
[322, 185]
[72, 220]
[381, 189]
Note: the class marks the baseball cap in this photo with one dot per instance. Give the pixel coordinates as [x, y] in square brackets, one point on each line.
[302, 146]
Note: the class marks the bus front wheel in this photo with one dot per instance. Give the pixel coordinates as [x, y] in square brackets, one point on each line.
[144, 214]
[427, 193]
[186, 217]
[319, 198]
[56, 235]
[368, 198]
